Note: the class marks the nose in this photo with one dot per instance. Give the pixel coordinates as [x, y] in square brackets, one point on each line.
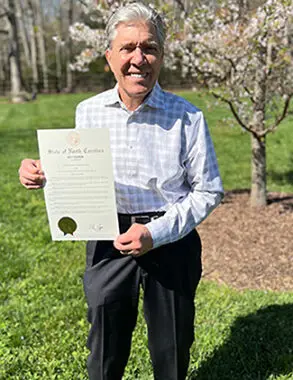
[138, 57]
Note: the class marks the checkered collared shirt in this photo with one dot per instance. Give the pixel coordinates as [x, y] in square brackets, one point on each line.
[163, 159]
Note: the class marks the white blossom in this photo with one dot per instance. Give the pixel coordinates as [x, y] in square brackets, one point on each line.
[214, 45]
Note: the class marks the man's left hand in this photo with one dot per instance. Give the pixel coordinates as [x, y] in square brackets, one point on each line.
[136, 241]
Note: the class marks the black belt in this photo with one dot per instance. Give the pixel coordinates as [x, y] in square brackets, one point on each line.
[139, 218]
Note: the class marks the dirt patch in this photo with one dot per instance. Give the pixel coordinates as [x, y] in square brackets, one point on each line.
[250, 248]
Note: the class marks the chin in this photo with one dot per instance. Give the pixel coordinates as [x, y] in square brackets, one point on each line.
[140, 90]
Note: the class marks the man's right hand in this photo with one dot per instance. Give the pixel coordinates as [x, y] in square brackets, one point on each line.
[31, 175]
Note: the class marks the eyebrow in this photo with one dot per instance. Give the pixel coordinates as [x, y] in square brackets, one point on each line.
[144, 43]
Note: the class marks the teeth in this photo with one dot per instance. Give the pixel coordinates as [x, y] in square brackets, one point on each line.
[138, 75]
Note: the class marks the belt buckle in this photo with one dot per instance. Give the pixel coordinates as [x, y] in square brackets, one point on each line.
[142, 219]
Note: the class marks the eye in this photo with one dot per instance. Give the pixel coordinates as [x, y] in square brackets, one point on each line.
[151, 49]
[127, 49]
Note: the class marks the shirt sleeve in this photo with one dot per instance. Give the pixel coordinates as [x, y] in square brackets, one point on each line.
[206, 190]
[80, 116]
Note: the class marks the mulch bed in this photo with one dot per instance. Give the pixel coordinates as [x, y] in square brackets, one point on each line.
[247, 247]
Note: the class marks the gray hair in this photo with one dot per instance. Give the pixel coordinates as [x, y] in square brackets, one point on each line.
[132, 12]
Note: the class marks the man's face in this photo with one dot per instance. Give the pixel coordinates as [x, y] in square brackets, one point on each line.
[135, 59]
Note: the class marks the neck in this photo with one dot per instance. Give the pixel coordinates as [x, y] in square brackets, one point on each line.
[131, 102]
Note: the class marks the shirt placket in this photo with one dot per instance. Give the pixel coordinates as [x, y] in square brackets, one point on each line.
[132, 147]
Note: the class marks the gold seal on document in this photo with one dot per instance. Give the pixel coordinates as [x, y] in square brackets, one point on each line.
[67, 225]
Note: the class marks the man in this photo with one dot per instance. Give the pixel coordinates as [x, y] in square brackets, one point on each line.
[166, 181]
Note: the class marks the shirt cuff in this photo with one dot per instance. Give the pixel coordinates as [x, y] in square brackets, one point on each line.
[159, 229]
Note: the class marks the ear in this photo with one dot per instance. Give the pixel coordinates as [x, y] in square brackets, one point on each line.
[108, 57]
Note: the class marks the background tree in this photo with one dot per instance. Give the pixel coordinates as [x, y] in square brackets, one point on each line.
[4, 53]
[33, 48]
[39, 27]
[8, 14]
[245, 59]
[27, 48]
[68, 18]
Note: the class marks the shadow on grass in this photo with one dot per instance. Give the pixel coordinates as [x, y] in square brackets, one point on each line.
[259, 345]
[284, 178]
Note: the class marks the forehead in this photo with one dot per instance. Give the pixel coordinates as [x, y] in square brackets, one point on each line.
[135, 31]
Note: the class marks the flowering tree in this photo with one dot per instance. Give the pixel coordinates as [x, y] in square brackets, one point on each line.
[245, 59]
[93, 40]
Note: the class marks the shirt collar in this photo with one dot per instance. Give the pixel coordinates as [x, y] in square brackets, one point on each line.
[154, 100]
[112, 97]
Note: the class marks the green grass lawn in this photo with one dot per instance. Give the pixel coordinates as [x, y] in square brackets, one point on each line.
[244, 335]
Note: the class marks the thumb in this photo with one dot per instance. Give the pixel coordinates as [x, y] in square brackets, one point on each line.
[38, 165]
[123, 239]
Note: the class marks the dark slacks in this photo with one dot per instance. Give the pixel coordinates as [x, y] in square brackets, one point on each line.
[169, 276]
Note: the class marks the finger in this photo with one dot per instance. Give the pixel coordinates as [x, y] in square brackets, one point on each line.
[29, 164]
[127, 253]
[137, 253]
[39, 167]
[124, 238]
[29, 168]
[35, 182]
[123, 247]
[33, 187]
[32, 180]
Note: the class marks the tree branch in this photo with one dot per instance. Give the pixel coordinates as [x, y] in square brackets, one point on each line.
[235, 114]
[181, 6]
[232, 63]
[280, 119]
[82, 2]
[249, 93]
[242, 82]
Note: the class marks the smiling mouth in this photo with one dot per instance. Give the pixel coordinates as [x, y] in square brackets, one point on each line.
[135, 75]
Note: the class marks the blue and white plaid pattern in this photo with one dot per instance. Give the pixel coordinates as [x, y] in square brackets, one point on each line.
[163, 159]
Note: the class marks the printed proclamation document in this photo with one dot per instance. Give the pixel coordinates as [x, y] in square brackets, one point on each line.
[79, 190]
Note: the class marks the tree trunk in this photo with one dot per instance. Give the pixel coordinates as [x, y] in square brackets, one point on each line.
[16, 96]
[58, 66]
[34, 62]
[41, 43]
[243, 6]
[2, 67]
[4, 54]
[69, 79]
[20, 15]
[68, 49]
[14, 58]
[258, 195]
